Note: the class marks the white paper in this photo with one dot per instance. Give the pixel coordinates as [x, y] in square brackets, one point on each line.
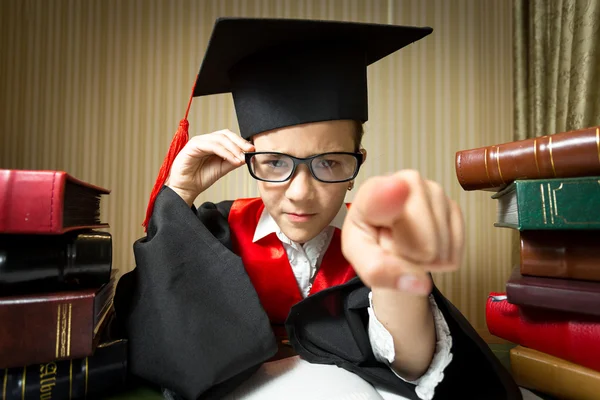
[295, 379]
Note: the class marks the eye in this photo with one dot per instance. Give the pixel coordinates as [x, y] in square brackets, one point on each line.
[274, 163]
[327, 163]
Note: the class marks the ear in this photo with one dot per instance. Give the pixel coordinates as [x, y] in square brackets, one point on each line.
[364, 153]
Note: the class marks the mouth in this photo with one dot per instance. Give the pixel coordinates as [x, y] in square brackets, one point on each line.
[299, 217]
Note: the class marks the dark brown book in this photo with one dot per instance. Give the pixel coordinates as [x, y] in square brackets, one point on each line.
[48, 327]
[579, 297]
[561, 254]
[104, 373]
[562, 155]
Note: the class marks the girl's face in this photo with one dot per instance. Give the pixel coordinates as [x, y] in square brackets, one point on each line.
[302, 206]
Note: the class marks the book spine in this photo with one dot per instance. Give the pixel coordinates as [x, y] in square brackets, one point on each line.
[31, 201]
[559, 204]
[578, 297]
[82, 259]
[561, 254]
[567, 336]
[43, 330]
[565, 154]
[100, 374]
[5, 198]
[554, 376]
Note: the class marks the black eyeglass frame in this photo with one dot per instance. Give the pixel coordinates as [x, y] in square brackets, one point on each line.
[307, 161]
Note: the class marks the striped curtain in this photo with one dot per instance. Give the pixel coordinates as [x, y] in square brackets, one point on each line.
[97, 88]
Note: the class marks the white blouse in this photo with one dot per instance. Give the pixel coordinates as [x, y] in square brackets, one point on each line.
[305, 260]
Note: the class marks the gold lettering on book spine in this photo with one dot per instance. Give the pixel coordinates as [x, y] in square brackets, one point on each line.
[551, 204]
[63, 331]
[551, 157]
[23, 383]
[86, 378]
[47, 380]
[554, 197]
[47, 370]
[69, 331]
[4, 385]
[543, 204]
[498, 163]
[70, 379]
[58, 331]
[487, 172]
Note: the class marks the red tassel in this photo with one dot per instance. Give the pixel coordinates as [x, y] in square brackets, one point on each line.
[179, 141]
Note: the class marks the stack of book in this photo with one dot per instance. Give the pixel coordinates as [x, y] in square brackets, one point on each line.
[548, 189]
[56, 290]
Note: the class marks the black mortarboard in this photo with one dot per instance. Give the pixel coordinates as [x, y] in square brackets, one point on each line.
[284, 72]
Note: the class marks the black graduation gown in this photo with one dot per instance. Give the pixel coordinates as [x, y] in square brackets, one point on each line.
[196, 326]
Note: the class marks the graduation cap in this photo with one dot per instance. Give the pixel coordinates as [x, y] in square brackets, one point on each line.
[284, 72]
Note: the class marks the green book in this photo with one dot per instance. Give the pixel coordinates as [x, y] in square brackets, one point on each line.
[560, 204]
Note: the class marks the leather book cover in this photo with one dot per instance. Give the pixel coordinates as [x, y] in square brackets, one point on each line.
[572, 337]
[47, 202]
[580, 297]
[560, 155]
[549, 204]
[561, 254]
[103, 373]
[40, 328]
[552, 375]
[51, 263]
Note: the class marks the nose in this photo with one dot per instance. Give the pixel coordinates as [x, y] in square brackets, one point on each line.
[300, 186]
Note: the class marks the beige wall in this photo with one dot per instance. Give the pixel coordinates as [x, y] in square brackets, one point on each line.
[97, 88]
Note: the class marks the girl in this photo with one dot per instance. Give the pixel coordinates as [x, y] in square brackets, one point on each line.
[220, 290]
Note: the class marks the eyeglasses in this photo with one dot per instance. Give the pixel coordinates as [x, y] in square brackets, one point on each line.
[327, 167]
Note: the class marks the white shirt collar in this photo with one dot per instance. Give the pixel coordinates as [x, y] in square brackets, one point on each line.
[267, 225]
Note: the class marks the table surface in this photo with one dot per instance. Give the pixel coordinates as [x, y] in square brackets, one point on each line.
[502, 351]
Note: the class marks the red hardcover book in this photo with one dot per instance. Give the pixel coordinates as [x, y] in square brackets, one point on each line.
[572, 337]
[47, 202]
[41, 328]
[562, 155]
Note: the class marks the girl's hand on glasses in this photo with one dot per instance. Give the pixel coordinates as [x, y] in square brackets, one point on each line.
[204, 160]
[399, 229]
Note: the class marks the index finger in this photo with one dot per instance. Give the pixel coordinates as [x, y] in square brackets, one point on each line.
[237, 139]
[400, 204]
[380, 200]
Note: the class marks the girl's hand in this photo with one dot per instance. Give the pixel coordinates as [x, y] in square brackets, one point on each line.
[205, 159]
[399, 228]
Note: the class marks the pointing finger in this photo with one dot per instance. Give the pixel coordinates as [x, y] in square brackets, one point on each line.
[380, 201]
